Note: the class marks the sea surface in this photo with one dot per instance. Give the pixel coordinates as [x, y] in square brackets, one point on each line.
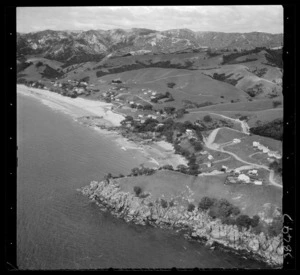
[59, 228]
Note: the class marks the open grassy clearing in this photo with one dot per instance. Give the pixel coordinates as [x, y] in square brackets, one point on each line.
[250, 106]
[245, 148]
[227, 135]
[169, 184]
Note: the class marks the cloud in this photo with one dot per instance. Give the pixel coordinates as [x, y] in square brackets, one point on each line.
[196, 18]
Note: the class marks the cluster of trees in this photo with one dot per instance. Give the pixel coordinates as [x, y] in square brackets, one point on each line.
[189, 104]
[85, 79]
[39, 64]
[276, 166]
[273, 129]
[139, 171]
[225, 78]
[141, 107]
[227, 212]
[256, 90]
[211, 53]
[161, 96]
[171, 85]
[23, 65]
[276, 103]
[230, 58]
[275, 57]
[51, 73]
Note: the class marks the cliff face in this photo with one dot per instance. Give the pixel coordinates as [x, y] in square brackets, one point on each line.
[107, 195]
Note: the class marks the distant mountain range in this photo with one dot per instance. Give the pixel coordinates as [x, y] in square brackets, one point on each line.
[93, 45]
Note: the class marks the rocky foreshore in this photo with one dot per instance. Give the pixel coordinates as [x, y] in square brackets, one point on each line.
[199, 225]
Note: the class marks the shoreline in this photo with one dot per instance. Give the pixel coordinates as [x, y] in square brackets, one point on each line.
[194, 225]
[153, 154]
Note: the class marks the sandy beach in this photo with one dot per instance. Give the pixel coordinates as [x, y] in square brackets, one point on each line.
[157, 154]
[76, 107]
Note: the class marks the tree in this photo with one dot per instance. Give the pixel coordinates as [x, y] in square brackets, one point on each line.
[191, 207]
[243, 221]
[163, 203]
[275, 228]
[207, 118]
[255, 221]
[206, 203]
[137, 190]
[171, 84]
[198, 146]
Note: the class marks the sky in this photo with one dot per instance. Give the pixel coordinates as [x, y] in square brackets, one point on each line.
[264, 18]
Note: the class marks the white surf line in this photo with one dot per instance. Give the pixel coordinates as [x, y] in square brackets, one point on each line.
[209, 143]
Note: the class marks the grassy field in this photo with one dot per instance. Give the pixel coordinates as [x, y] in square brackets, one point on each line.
[245, 148]
[168, 184]
[226, 135]
[250, 106]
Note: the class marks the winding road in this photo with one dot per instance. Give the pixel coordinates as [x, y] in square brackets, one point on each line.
[209, 143]
[244, 126]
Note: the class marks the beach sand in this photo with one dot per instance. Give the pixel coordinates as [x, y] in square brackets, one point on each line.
[154, 155]
[76, 107]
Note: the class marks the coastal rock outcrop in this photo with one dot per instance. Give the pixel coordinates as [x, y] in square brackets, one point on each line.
[196, 224]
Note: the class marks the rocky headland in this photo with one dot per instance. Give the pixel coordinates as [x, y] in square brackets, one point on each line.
[197, 225]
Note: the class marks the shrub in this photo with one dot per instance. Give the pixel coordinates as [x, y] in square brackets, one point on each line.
[163, 203]
[39, 64]
[171, 84]
[255, 221]
[207, 118]
[243, 221]
[206, 203]
[137, 190]
[276, 103]
[272, 129]
[191, 207]
[275, 228]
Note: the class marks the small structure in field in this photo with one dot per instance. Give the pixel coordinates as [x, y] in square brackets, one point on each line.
[255, 144]
[244, 178]
[258, 182]
[236, 140]
[210, 157]
[252, 172]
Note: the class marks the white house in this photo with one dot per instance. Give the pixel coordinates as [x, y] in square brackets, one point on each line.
[210, 157]
[236, 140]
[255, 144]
[252, 172]
[131, 102]
[258, 182]
[243, 177]
[140, 116]
[224, 167]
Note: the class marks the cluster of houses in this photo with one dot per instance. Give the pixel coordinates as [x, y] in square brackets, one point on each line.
[250, 177]
[266, 150]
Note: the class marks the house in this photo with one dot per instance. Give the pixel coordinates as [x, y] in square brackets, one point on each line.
[142, 120]
[208, 164]
[210, 157]
[131, 102]
[255, 144]
[244, 178]
[252, 172]
[140, 116]
[258, 182]
[153, 93]
[236, 140]
[224, 167]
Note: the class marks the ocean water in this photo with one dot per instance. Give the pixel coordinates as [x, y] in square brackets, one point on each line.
[58, 228]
